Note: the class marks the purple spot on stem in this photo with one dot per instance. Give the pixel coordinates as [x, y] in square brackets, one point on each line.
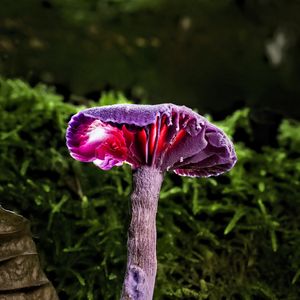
[135, 283]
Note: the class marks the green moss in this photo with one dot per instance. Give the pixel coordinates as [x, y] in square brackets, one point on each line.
[231, 237]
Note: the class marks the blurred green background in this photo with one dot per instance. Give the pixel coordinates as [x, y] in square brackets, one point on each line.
[232, 237]
[213, 55]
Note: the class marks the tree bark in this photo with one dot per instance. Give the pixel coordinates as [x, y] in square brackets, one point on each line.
[141, 246]
[21, 276]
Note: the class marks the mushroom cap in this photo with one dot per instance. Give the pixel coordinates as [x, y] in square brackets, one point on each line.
[166, 136]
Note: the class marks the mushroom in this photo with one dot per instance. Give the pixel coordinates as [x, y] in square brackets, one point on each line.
[152, 139]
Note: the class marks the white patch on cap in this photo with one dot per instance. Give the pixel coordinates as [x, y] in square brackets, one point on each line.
[97, 134]
[98, 162]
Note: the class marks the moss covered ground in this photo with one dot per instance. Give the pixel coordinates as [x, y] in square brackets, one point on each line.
[236, 236]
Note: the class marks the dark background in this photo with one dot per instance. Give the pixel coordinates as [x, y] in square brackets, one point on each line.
[216, 56]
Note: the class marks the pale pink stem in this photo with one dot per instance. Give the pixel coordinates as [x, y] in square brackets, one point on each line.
[141, 256]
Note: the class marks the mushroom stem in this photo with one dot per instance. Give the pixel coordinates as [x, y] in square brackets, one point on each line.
[141, 245]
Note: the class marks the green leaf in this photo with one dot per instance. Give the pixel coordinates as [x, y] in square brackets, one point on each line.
[236, 217]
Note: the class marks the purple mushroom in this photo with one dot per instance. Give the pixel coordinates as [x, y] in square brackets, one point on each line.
[153, 139]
